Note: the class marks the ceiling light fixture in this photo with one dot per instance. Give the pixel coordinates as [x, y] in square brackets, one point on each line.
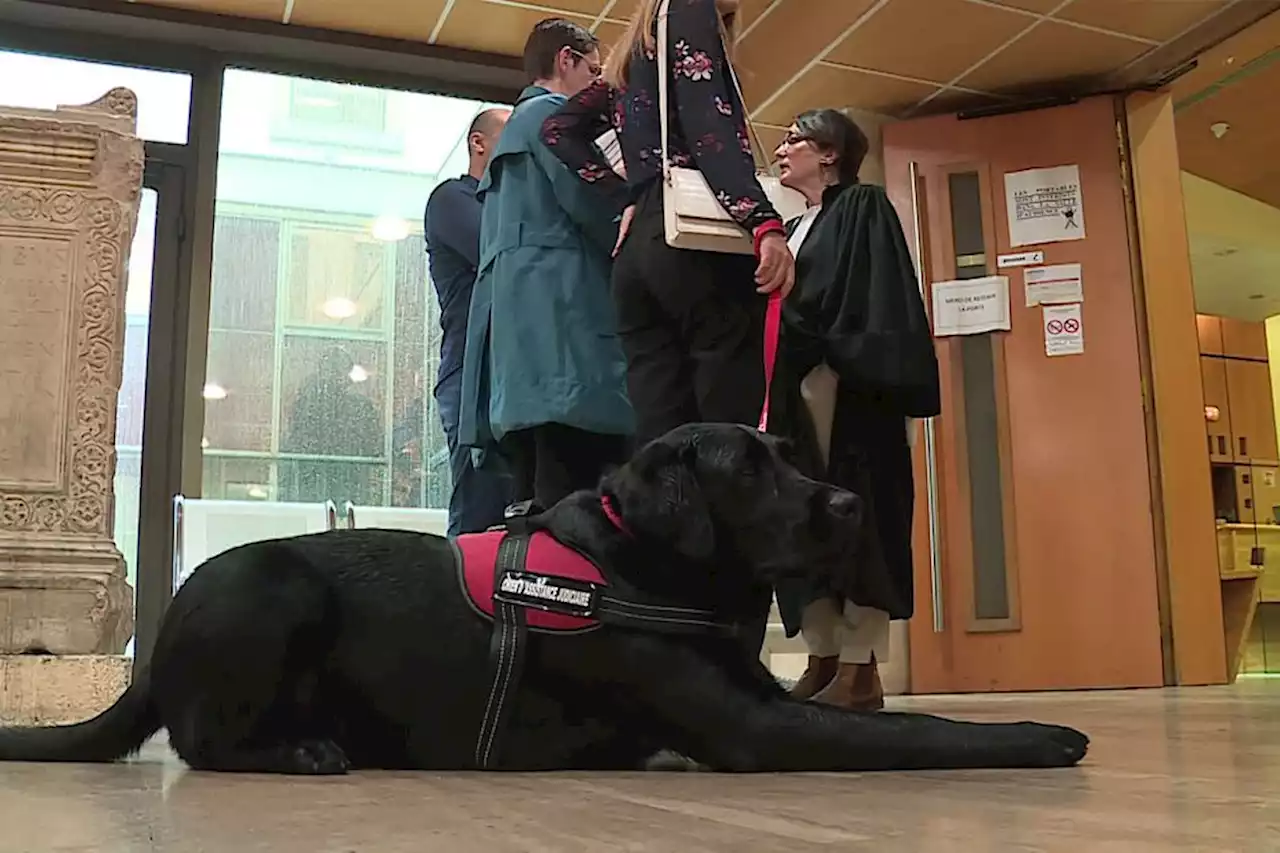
[1219, 129]
[390, 229]
[339, 308]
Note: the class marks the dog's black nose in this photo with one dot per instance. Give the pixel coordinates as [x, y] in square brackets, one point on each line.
[841, 503]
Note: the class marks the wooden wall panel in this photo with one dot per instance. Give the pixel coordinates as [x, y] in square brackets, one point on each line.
[1195, 604]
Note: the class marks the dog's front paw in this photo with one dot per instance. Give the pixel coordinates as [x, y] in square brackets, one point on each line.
[1053, 746]
[320, 758]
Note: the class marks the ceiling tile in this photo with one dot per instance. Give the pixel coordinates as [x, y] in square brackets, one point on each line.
[490, 27]
[1152, 19]
[591, 8]
[1229, 57]
[1037, 6]
[774, 52]
[929, 39]
[270, 10]
[749, 11]
[609, 32]
[954, 100]
[1051, 52]
[834, 86]
[390, 18]
[770, 136]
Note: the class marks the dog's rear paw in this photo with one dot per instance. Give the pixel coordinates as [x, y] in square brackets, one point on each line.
[320, 758]
[1054, 746]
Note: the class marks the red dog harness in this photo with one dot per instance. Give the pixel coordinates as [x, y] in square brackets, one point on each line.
[527, 581]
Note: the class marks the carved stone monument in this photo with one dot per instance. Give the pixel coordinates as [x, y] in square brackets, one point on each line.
[70, 182]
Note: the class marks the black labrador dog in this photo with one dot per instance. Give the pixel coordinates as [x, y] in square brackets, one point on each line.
[358, 649]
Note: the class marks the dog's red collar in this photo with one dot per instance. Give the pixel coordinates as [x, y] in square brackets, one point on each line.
[611, 513]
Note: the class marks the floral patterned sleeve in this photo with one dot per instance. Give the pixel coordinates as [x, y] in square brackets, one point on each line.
[571, 133]
[710, 112]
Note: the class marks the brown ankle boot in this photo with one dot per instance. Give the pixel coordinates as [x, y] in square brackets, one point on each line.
[817, 675]
[856, 686]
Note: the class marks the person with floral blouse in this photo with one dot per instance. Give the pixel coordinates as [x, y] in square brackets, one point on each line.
[691, 323]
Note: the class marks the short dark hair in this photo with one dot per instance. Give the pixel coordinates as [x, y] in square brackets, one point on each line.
[832, 130]
[547, 39]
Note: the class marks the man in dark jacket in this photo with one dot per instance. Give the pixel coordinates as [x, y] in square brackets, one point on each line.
[452, 228]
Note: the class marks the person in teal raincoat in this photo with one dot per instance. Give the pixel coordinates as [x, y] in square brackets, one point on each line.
[543, 373]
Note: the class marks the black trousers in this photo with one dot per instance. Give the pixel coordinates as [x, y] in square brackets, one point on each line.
[692, 329]
[552, 461]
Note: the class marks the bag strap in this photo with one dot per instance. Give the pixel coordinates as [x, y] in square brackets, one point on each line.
[665, 70]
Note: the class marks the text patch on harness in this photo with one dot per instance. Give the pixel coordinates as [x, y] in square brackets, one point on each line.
[559, 595]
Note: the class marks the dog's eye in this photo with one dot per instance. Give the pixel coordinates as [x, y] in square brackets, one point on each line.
[786, 450]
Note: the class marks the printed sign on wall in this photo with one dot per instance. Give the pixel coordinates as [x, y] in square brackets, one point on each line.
[1063, 330]
[971, 306]
[1044, 205]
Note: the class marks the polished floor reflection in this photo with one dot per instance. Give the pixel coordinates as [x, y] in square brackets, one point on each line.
[1170, 770]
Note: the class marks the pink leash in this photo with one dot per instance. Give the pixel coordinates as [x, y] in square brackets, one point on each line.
[772, 331]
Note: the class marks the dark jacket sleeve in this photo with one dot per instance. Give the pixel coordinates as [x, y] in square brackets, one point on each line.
[858, 307]
[711, 114]
[571, 133]
[445, 228]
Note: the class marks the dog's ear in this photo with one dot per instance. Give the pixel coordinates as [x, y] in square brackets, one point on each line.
[660, 497]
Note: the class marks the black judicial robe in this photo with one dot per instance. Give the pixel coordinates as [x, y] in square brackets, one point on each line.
[857, 306]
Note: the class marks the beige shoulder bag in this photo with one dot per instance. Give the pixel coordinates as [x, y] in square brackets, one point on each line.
[694, 218]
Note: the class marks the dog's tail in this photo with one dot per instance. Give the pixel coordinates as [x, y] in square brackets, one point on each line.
[116, 732]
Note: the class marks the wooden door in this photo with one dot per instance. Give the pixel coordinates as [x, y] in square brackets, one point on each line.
[1213, 373]
[1244, 339]
[1209, 329]
[1253, 425]
[1034, 544]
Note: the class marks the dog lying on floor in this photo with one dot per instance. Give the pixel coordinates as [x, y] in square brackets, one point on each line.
[362, 649]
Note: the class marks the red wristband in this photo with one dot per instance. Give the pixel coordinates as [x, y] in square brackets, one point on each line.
[766, 227]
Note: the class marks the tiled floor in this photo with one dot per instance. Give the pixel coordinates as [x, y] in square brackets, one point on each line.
[1170, 770]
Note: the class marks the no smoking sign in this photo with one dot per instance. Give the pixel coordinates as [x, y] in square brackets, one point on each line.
[1063, 330]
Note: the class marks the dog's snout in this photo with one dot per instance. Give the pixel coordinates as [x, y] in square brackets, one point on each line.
[841, 503]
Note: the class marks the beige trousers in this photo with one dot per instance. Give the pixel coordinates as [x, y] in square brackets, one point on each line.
[857, 633]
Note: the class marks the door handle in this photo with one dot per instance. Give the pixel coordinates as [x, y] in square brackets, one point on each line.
[930, 436]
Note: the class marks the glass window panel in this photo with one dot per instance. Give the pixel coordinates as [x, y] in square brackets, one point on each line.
[336, 277]
[239, 389]
[319, 269]
[246, 264]
[133, 384]
[981, 413]
[46, 82]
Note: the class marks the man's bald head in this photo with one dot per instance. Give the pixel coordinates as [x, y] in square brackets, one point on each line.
[490, 121]
[482, 137]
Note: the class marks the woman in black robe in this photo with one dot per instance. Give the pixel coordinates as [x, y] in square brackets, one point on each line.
[858, 364]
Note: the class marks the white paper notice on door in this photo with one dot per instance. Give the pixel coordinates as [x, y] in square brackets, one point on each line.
[1053, 285]
[971, 306]
[1044, 205]
[1063, 330]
